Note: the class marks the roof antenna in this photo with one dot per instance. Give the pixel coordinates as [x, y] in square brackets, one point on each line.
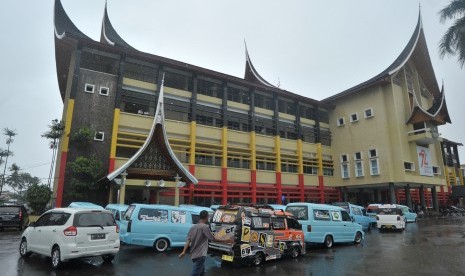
[279, 83]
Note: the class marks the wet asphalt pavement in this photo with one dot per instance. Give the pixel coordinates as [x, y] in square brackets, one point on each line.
[429, 247]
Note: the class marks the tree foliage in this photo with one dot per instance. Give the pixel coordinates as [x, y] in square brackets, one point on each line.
[83, 136]
[84, 173]
[38, 196]
[453, 41]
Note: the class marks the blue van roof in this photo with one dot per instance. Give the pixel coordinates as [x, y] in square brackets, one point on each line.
[120, 207]
[85, 205]
[314, 205]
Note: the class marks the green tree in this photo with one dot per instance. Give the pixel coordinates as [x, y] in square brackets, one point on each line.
[84, 173]
[83, 136]
[54, 133]
[10, 134]
[15, 181]
[38, 196]
[453, 41]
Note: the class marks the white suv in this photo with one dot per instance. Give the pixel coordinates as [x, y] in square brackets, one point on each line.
[390, 217]
[69, 233]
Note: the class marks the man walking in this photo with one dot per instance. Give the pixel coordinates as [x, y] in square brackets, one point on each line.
[197, 239]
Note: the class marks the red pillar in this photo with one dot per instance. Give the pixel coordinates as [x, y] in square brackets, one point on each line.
[443, 196]
[224, 186]
[321, 187]
[61, 179]
[191, 187]
[279, 187]
[253, 183]
[111, 166]
[301, 187]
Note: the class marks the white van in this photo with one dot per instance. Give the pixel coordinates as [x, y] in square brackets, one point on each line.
[325, 224]
[390, 216]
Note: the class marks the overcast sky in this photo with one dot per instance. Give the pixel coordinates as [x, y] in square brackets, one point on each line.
[313, 48]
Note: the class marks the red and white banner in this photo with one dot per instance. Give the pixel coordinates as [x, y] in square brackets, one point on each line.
[424, 161]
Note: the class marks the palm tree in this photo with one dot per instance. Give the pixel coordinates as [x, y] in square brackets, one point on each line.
[56, 130]
[10, 133]
[453, 41]
[14, 180]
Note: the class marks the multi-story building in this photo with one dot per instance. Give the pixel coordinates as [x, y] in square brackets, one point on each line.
[244, 139]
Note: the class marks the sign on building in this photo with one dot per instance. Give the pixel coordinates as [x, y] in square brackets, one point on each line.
[424, 161]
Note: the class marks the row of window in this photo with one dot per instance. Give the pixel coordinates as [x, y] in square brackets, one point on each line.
[90, 88]
[373, 161]
[410, 166]
[367, 113]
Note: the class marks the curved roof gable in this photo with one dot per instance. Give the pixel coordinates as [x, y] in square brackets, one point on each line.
[416, 49]
[64, 25]
[251, 74]
[109, 35]
[437, 113]
[155, 159]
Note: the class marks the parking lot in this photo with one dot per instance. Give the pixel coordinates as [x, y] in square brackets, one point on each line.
[429, 247]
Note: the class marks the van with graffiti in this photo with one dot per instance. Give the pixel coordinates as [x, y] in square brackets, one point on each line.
[252, 235]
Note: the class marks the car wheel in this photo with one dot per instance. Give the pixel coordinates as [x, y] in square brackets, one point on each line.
[56, 257]
[358, 238]
[328, 241]
[295, 252]
[23, 249]
[258, 258]
[161, 244]
[108, 258]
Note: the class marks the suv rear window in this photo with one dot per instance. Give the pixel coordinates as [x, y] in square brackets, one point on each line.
[9, 210]
[389, 211]
[93, 219]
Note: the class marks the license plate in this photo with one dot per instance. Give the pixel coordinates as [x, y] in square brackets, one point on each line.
[228, 258]
[97, 236]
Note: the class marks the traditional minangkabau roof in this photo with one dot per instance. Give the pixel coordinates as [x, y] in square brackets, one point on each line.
[251, 74]
[416, 50]
[155, 160]
[109, 35]
[437, 113]
[63, 25]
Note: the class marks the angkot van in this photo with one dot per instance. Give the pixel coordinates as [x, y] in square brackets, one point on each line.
[254, 235]
[158, 226]
[358, 213]
[326, 224]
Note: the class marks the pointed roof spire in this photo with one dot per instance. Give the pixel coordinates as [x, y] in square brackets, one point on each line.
[155, 158]
[417, 50]
[250, 73]
[109, 35]
[63, 24]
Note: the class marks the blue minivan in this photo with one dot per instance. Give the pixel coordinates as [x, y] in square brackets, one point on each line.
[158, 226]
[118, 211]
[358, 213]
[409, 215]
[326, 224]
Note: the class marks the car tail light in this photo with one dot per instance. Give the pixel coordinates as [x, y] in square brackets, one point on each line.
[398, 218]
[70, 231]
[377, 217]
[20, 214]
[117, 229]
[309, 228]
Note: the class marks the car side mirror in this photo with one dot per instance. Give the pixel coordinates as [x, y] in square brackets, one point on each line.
[32, 224]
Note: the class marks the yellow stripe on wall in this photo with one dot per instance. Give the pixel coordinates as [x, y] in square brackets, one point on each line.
[224, 144]
[69, 119]
[278, 153]
[114, 133]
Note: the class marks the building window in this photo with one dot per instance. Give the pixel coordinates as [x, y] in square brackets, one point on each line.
[104, 91]
[436, 170]
[409, 166]
[89, 88]
[373, 153]
[368, 113]
[344, 158]
[209, 88]
[345, 166]
[264, 101]
[374, 162]
[99, 135]
[358, 164]
[353, 117]
[340, 121]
